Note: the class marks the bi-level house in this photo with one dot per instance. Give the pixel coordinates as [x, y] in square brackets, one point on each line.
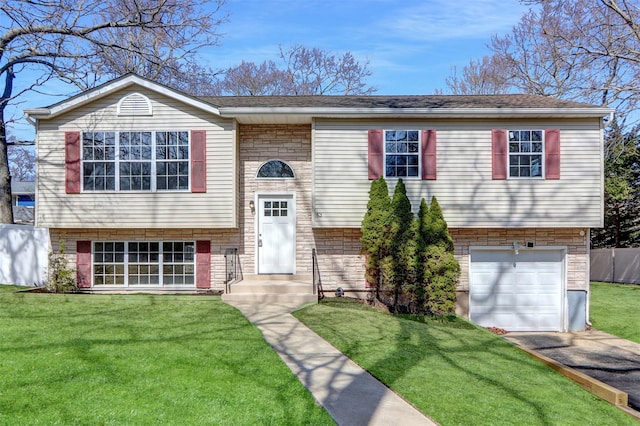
[149, 188]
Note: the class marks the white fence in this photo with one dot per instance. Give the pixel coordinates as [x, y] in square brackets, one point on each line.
[24, 254]
[620, 265]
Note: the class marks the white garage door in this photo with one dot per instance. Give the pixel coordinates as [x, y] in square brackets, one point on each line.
[517, 292]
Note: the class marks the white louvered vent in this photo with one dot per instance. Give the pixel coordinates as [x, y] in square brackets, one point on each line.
[135, 104]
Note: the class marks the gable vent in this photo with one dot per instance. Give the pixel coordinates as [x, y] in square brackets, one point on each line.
[134, 104]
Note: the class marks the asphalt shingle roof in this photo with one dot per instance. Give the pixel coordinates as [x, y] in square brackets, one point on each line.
[23, 187]
[408, 101]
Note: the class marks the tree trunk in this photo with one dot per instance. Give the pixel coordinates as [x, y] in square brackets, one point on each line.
[617, 237]
[6, 209]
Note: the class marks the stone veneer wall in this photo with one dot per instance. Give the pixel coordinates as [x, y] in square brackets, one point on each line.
[339, 260]
[289, 143]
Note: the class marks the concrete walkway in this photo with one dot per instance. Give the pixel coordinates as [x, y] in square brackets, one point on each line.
[608, 358]
[350, 394]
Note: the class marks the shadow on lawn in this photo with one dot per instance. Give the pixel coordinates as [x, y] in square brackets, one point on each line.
[93, 344]
[415, 349]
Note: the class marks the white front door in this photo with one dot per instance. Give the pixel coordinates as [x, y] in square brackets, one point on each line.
[276, 235]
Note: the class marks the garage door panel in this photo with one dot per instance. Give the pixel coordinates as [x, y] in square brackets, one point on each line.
[520, 292]
[504, 299]
[523, 279]
[524, 300]
[486, 278]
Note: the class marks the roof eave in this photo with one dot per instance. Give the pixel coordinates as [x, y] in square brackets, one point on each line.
[239, 112]
[113, 86]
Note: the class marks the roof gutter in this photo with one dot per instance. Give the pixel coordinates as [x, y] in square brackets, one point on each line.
[32, 115]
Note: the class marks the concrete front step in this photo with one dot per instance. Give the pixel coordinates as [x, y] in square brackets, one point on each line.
[262, 298]
[278, 287]
[291, 290]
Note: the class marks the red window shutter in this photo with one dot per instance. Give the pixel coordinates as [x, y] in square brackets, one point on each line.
[552, 153]
[376, 154]
[83, 264]
[72, 162]
[198, 161]
[203, 264]
[428, 154]
[499, 153]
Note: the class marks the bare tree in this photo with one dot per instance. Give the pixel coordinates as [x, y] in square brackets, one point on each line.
[582, 50]
[22, 163]
[250, 79]
[76, 43]
[166, 58]
[318, 72]
[301, 71]
[478, 78]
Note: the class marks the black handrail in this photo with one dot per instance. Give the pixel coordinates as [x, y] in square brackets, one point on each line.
[317, 281]
[230, 267]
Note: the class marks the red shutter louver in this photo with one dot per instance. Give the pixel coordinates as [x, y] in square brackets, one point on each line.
[203, 264]
[83, 264]
[552, 153]
[429, 155]
[376, 154]
[499, 154]
[72, 162]
[198, 161]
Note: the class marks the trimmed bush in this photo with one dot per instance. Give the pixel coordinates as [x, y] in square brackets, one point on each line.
[440, 269]
[410, 262]
[375, 232]
[61, 278]
[402, 238]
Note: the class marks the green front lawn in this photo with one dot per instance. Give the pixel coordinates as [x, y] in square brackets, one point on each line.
[455, 372]
[141, 359]
[615, 308]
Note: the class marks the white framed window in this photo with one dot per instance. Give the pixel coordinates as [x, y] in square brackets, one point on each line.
[402, 153]
[135, 161]
[99, 161]
[275, 169]
[143, 263]
[526, 153]
[135, 149]
[172, 160]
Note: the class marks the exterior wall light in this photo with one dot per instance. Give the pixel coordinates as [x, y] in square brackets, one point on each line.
[516, 247]
[252, 207]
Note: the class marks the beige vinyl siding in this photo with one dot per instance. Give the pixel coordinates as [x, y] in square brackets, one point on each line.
[214, 209]
[464, 186]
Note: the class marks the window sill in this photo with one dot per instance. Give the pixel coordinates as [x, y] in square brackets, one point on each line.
[188, 191]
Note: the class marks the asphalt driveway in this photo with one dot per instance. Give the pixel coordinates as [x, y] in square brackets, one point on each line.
[608, 358]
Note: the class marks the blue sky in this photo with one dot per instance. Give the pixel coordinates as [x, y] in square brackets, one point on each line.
[411, 45]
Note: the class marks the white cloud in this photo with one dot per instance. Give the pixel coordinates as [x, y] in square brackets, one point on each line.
[438, 20]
